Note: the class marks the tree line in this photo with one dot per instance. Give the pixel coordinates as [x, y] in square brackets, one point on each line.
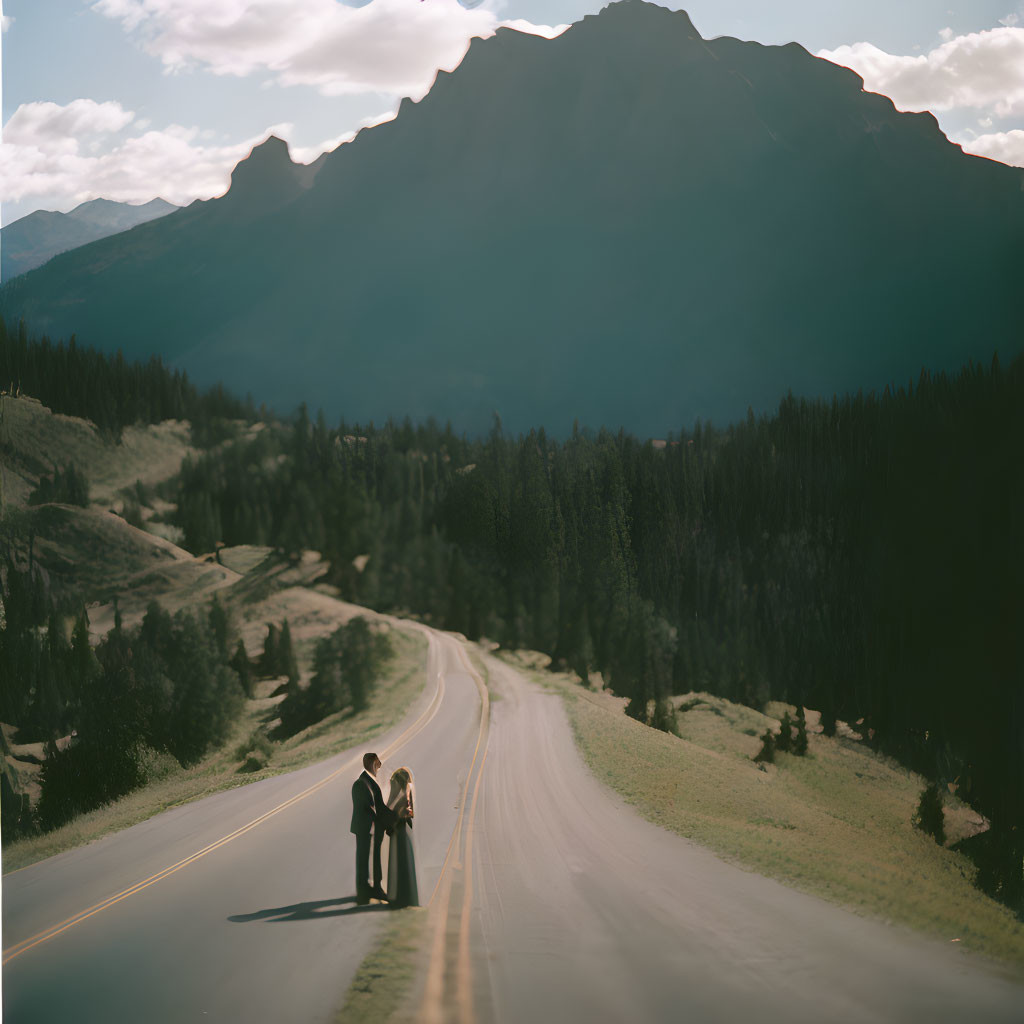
[856, 556]
[110, 390]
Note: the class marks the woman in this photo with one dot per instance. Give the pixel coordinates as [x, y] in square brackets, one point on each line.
[401, 860]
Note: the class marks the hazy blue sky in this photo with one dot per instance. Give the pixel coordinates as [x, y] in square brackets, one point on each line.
[130, 99]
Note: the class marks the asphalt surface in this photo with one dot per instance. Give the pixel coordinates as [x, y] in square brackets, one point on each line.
[262, 928]
[585, 912]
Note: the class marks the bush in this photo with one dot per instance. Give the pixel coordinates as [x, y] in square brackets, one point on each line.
[253, 763]
[929, 817]
[767, 751]
[258, 744]
[86, 776]
[664, 717]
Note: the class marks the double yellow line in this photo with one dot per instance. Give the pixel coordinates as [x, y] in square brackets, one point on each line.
[432, 1009]
[26, 944]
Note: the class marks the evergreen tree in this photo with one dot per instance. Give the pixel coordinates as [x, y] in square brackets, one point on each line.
[929, 818]
[243, 669]
[767, 751]
[800, 740]
[270, 661]
[363, 651]
[286, 663]
[219, 627]
[784, 741]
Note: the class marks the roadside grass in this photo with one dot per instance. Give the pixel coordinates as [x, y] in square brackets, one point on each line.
[836, 823]
[383, 984]
[219, 770]
[481, 666]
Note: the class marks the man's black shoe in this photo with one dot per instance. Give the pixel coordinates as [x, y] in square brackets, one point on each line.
[362, 901]
[379, 894]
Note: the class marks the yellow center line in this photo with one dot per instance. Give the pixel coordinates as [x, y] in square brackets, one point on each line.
[462, 808]
[464, 989]
[26, 944]
[433, 994]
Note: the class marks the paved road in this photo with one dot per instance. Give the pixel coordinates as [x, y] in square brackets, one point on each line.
[552, 901]
[582, 911]
[263, 928]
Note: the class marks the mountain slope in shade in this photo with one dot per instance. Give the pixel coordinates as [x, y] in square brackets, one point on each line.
[625, 225]
[31, 240]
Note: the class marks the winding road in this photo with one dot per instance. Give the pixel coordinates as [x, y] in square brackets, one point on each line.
[550, 900]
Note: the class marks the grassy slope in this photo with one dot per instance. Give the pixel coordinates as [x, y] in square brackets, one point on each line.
[836, 823]
[34, 438]
[219, 770]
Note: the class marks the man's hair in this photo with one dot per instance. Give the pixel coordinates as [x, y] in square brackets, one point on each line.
[368, 760]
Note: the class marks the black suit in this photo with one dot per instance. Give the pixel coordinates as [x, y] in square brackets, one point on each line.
[369, 812]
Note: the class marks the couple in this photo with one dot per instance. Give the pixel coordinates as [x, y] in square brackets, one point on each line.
[369, 812]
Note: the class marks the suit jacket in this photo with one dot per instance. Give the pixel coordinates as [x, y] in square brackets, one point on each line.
[368, 807]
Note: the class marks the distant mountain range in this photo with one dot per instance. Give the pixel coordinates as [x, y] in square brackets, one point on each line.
[626, 225]
[29, 242]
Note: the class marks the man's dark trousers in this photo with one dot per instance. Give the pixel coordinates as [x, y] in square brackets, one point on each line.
[378, 841]
[363, 864]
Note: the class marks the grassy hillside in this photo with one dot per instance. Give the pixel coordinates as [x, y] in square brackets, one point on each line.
[836, 823]
[223, 768]
[32, 438]
[95, 557]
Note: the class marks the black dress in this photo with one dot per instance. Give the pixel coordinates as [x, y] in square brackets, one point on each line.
[402, 891]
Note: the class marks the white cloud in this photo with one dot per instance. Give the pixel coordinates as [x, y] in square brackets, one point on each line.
[49, 127]
[1010, 20]
[73, 153]
[946, 34]
[1007, 147]
[5, 22]
[983, 70]
[387, 46]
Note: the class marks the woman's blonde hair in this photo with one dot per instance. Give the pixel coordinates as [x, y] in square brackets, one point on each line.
[401, 778]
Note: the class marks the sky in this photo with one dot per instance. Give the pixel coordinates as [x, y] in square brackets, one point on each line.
[133, 99]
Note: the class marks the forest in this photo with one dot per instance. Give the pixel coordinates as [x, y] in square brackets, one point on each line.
[107, 389]
[858, 556]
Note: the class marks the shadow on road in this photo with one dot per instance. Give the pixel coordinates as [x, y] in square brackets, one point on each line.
[311, 911]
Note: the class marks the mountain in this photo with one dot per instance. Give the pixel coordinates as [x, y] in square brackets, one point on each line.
[627, 225]
[30, 241]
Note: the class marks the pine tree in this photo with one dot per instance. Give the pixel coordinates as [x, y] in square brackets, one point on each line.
[286, 663]
[929, 817]
[243, 669]
[218, 620]
[800, 741]
[784, 742]
[270, 661]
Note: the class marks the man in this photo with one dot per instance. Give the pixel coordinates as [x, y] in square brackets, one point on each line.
[369, 812]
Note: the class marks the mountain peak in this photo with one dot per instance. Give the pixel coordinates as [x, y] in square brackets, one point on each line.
[268, 157]
[266, 173]
[641, 16]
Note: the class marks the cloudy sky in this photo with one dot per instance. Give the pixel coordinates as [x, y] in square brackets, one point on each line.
[131, 99]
